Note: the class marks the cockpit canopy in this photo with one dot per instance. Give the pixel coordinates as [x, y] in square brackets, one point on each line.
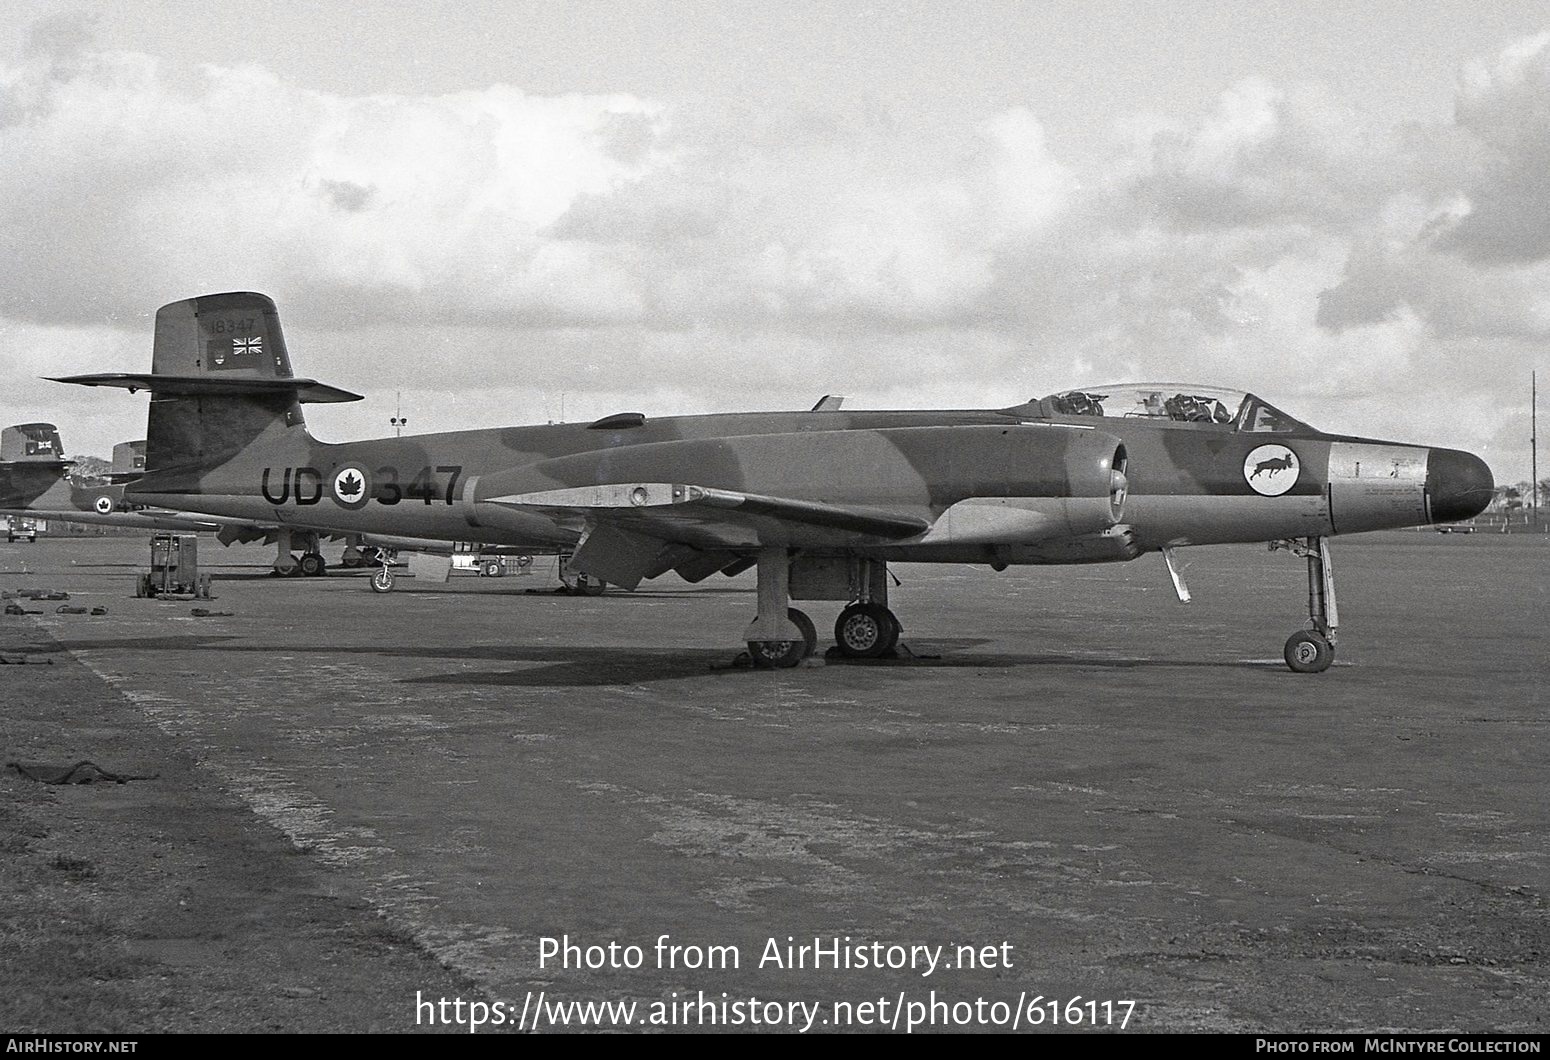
[1179, 402]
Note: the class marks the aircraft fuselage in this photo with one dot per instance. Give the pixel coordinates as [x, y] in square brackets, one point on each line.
[1189, 483]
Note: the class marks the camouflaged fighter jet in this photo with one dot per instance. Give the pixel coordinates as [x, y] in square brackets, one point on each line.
[819, 502]
[31, 462]
[40, 489]
[34, 483]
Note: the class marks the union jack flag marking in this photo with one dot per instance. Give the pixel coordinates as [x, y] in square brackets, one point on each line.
[241, 346]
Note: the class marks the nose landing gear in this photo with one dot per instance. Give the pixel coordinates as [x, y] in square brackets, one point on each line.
[382, 578]
[1313, 651]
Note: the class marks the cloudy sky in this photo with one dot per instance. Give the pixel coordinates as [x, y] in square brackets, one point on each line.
[504, 209]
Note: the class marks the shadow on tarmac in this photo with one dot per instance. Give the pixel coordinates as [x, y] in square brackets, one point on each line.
[581, 666]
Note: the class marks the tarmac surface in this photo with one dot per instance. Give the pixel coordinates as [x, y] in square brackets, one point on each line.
[359, 796]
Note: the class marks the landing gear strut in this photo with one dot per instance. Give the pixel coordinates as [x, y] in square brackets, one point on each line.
[780, 635]
[382, 579]
[1313, 651]
[577, 583]
[867, 629]
[287, 565]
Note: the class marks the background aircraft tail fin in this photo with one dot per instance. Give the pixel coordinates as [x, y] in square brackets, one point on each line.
[128, 461]
[31, 463]
[31, 443]
[220, 382]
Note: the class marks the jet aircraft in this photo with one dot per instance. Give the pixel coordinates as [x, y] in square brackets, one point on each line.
[31, 461]
[34, 483]
[819, 502]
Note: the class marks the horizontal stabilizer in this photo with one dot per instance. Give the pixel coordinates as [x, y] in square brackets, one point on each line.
[306, 390]
[645, 495]
[37, 466]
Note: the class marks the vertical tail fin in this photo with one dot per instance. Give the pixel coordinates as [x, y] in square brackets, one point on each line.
[128, 461]
[31, 443]
[231, 336]
[220, 382]
[31, 463]
[221, 338]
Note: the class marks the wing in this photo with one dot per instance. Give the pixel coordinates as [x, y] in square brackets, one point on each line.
[660, 506]
[638, 530]
[679, 505]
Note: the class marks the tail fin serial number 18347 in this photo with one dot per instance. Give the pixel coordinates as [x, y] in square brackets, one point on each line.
[352, 488]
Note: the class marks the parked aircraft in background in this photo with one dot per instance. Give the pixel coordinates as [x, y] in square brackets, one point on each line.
[34, 483]
[31, 461]
[819, 502]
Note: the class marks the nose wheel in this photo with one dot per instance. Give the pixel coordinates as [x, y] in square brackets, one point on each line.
[382, 578]
[1309, 652]
[1312, 651]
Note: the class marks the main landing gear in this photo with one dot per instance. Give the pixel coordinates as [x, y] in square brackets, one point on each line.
[1312, 651]
[781, 636]
[578, 584]
[311, 564]
[866, 629]
[357, 556]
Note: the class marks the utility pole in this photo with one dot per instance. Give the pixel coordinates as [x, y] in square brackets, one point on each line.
[397, 420]
[1533, 440]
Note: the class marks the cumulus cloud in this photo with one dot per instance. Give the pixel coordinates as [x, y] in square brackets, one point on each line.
[630, 252]
[1505, 106]
[1265, 155]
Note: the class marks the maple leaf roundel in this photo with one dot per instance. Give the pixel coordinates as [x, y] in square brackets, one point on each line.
[351, 486]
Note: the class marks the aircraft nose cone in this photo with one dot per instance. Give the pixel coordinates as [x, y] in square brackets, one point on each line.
[1459, 485]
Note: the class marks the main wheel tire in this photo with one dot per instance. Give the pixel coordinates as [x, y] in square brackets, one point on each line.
[776, 654]
[312, 565]
[490, 569]
[809, 631]
[589, 586]
[287, 567]
[1309, 652]
[382, 580]
[865, 631]
[895, 631]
